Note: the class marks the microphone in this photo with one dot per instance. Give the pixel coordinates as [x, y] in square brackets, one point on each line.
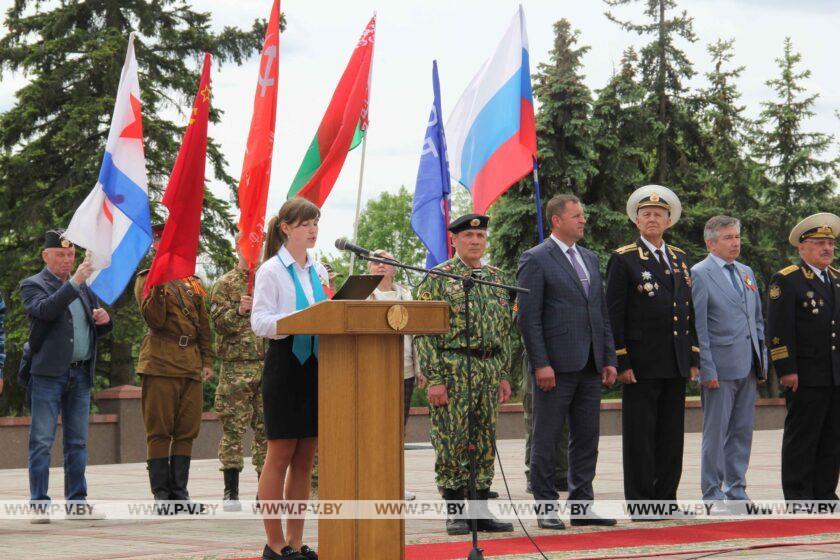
[344, 244]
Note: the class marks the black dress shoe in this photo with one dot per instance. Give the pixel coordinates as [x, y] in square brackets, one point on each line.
[552, 522]
[308, 553]
[492, 495]
[599, 521]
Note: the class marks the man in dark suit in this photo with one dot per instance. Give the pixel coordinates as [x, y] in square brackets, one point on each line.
[65, 322]
[649, 297]
[803, 327]
[566, 330]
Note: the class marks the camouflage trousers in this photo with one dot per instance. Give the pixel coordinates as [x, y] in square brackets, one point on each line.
[239, 405]
[450, 436]
[562, 471]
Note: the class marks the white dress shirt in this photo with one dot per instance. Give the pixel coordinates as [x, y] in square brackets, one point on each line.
[274, 291]
[818, 272]
[565, 248]
[663, 248]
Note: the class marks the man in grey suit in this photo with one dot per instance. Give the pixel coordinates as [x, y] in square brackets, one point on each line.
[730, 330]
[565, 326]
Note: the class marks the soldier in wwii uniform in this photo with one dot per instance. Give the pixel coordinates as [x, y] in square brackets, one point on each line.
[803, 326]
[175, 356]
[238, 395]
[443, 359]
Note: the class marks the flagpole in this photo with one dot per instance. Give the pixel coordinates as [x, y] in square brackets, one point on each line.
[540, 234]
[359, 195]
[362, 166]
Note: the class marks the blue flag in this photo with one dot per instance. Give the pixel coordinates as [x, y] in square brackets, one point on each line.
[430, 214]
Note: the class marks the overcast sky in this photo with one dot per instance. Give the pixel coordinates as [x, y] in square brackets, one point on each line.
[461, 34]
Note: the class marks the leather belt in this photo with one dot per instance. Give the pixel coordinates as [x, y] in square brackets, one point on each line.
[483, 354]
[80, 364]
[183, 340]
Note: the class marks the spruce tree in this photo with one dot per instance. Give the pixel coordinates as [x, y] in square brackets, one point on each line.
[735, 181]
[801, 180]
[624, 152]
[680, 148]
[52, 139]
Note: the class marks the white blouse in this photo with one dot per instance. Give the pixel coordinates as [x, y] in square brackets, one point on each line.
[274, 291]
[411, 366]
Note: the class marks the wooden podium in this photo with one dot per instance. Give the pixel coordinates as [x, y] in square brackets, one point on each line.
[360, 413]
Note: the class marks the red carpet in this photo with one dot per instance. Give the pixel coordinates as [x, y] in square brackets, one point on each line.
[626, 538]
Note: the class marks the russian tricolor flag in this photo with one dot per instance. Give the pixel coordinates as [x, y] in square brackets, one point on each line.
[491, 133]
[113, 222]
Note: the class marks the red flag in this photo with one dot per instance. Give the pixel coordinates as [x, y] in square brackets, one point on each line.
[256, 169]
[184, 196]
[342, 128]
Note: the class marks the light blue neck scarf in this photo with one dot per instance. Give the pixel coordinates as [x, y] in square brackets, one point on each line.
[304, 346]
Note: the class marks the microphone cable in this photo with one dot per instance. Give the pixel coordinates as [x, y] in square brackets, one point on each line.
[510, 500]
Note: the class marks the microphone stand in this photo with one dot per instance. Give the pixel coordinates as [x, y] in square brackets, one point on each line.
[468, 283]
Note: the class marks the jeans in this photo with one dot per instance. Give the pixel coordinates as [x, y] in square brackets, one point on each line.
[68, 394]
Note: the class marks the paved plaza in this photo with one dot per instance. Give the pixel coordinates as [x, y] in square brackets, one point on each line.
[182, 537]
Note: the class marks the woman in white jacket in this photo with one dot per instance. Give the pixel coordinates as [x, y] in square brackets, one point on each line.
[388, 290]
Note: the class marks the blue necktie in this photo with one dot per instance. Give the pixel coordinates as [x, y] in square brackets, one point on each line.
[304, 346]
[734, 279]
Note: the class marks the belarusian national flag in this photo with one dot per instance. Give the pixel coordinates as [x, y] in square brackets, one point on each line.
[342, 127]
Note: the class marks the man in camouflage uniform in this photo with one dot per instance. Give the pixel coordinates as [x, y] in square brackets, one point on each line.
[443, 358]
[238, 395]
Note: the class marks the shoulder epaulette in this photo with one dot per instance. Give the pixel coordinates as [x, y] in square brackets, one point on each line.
[788, 269]
[626, 249]
[677, 249]
[835, 269]
[143, 272]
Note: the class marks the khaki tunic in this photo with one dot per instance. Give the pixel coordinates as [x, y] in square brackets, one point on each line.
[164, 312]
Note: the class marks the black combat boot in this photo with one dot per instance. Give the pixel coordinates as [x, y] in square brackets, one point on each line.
[231, 498]
[485, 520]
[454, 505]
[179, 473]
[160, 483]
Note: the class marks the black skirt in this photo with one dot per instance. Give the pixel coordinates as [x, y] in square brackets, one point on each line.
[290, 393]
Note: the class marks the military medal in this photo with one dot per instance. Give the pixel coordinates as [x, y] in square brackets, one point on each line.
[646, 275]
[749, 282]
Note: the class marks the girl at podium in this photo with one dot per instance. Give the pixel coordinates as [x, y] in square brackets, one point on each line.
[289, 280]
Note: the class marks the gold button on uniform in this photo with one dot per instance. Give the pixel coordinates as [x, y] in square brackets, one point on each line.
[675, 317]
[676, 333]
